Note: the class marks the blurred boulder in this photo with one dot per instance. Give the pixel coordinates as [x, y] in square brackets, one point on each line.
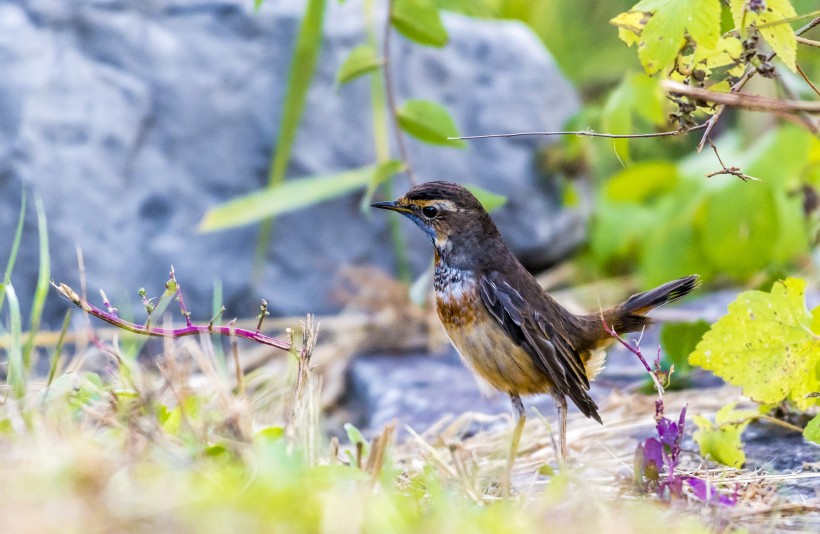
[131, 119]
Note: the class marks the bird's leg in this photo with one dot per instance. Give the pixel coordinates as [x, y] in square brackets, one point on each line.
[520, 415]
[561, 404]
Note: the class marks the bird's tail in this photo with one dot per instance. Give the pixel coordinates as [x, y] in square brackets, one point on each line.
[630, 316]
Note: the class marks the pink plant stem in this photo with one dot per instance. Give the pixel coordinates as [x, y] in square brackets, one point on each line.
[188, 330]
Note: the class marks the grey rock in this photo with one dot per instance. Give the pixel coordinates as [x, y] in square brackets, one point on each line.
[130, 120]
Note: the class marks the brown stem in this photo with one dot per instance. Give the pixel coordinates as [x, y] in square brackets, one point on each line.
[807, 80]
[391, 96]
[740, 100]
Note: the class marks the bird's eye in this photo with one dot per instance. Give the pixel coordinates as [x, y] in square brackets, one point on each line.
[429, 211]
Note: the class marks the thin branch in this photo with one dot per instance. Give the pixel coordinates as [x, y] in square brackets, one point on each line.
[636, 350]
[807, 80]
[741, 100]
[788, 20]
[588, 133]
[734, 171]
[808, 42]
[742, 81]
[147, 330]
[391, 96]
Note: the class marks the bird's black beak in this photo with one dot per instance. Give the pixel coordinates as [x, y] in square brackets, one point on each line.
[391, 205]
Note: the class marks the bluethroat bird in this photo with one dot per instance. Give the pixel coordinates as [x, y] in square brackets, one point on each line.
[510, 332]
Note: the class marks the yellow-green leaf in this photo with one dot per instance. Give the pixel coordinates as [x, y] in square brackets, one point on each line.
[721, 440]
[765, 345]
[662, 37]
[420, 21]
[289, 196]
[630, 25]
[812, 430]
[779, 36]
[428, 122]
[361, 60]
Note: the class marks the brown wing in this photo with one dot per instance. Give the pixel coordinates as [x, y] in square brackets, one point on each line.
[551, 351]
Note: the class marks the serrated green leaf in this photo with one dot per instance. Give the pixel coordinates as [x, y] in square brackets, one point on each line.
[429, 122]
[491, 201]
[721, 440]
[779, 36]
[290, 196]
[662, 36]
[360, 61]
[420, 21]
[812, 430]
[765, 345]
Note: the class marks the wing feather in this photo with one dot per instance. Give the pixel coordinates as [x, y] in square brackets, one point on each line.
[551, 351]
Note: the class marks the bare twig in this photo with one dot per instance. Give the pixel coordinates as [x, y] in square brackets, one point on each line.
[742, 81]
[587, 133]
[788, 20]
[808, 42]
[750, 102]
[635, 349]
[387, 71]
[734, 171]
[147, 330]
[807, 80]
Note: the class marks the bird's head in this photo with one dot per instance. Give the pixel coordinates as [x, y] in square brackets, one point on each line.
[455, 220]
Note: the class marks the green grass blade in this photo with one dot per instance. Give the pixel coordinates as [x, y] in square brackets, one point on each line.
[58, 350]
[15, 247]
[289, 196]
[43, 278]
[16, 376]
[302, 68]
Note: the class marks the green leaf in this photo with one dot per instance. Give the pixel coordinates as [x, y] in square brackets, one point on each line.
[812, 430]
[429, 122]
[360, 61]
[15, 373]
[302, 67]
[642, 181]
[678, 340]
[290, 196]
[765, 345]
[739, 228]
[420, 21]
[269, 435]
[636, 95]
[721, 440]
[43, 282]
[384, 172]
[491, 201]
[15, 247]
[780, 36]
[662, 36]
[355, 436]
